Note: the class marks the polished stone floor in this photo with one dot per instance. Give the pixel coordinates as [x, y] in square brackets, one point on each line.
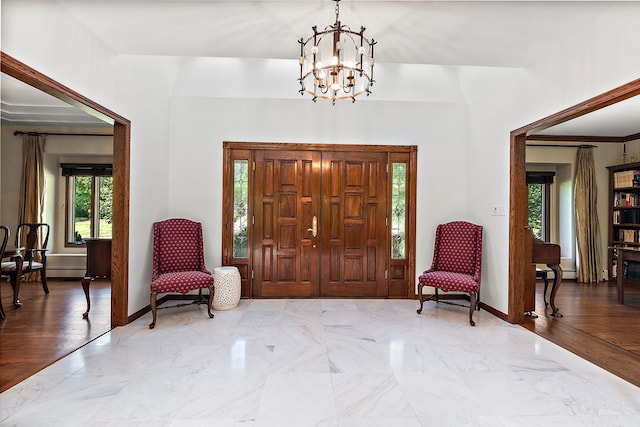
[330, 362]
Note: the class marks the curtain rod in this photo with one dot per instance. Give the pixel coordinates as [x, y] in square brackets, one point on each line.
[562, 145]
[19, 132]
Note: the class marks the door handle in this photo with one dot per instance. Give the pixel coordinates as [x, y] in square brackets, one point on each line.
[314, 226]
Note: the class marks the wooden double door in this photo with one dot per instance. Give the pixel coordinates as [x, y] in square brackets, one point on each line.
[319, 224]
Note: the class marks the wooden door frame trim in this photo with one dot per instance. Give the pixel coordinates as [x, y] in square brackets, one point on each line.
[518, 188]
[294, 146]
[121, 174]
[411, 150]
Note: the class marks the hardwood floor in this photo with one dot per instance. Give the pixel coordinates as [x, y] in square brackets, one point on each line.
[48, 327]
[594, 326]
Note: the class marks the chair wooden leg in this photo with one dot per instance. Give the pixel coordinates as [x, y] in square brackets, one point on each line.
[420, 286]
[212, 290]
[15, 285]
[2, 315]
[43, 280]
[153, 309]
[473, 298]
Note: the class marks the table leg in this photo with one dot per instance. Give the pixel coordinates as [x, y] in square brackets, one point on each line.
[557, 280]
[620, 285]
[86, 281]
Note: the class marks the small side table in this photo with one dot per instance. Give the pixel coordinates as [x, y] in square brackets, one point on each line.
[98, 265]
[227, 288]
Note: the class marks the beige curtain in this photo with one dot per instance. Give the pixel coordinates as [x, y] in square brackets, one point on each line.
[31, 195]
[587, 224]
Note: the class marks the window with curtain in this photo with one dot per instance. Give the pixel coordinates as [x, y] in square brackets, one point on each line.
[89, 200]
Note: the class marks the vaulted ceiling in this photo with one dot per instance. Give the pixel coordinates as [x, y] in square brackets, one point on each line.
[469, 33]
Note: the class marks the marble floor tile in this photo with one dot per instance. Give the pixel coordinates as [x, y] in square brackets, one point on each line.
[321, 362]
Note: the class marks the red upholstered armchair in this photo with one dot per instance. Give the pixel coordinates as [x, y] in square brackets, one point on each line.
[178, 261]
[457, 264]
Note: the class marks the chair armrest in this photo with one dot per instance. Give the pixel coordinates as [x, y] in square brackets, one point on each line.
[43, 256]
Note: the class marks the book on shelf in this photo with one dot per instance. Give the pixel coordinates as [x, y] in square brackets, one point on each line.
[626, 179]
[626, 217]
[628, 235]
[622, 200]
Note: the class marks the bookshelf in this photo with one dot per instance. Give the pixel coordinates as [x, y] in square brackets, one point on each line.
[624, 211]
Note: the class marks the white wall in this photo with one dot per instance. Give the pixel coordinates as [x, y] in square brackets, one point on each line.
[183, 108]
[142, 96]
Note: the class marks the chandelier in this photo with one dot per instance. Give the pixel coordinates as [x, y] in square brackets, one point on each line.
[336, 63]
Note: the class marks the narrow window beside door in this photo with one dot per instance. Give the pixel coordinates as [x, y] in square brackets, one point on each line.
[240, 207]
[398, 210]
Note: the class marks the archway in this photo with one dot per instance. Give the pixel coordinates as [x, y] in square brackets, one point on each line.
[121, 149]
[518, 189]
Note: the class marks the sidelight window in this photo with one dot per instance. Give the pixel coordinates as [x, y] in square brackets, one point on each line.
[398, 210]
[240, 207]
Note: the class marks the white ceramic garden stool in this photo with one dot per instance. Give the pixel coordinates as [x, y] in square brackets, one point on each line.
[226, 281]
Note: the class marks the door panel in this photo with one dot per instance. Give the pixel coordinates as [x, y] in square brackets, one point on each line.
[354, 235]
[347, 192]
[286, 198]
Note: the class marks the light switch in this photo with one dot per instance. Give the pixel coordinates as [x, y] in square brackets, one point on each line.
[498, 210]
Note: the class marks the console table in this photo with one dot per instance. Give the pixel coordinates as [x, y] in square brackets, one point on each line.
[98, 265]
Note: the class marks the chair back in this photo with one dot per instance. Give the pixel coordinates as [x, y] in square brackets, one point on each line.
[4, 239]
[458, 248]
[32, 236]
[177, 246]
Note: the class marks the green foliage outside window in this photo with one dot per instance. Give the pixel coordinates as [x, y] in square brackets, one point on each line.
[82, 198]
[536, 208]
[105, 199]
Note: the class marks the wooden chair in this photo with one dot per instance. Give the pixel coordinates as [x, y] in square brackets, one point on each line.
[33, 239]
[178, 261]
[457, 264]
[3, 245]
